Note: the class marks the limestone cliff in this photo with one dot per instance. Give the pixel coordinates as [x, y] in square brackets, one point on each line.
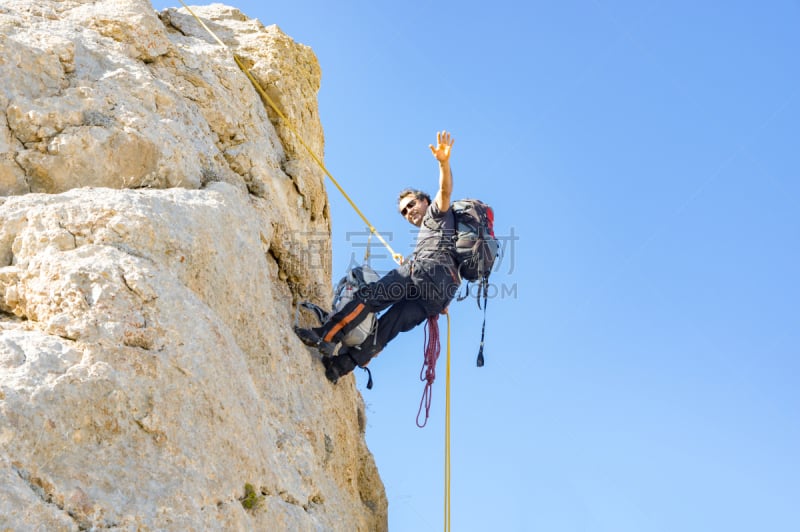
[157, 225]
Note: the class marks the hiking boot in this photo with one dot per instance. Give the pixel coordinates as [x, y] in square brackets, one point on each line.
[330, 370]
[338, 366]
[312, 339]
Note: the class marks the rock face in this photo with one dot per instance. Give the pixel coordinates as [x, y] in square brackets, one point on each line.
[157, 226]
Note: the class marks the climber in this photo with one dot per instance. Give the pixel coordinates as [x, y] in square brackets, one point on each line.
[421, 286]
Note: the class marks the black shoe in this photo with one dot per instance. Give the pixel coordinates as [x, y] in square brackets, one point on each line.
[338, 366]
[355, 356]
[330, 370]
[312, 339]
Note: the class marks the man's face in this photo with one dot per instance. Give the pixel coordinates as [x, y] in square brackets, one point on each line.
[413, 209]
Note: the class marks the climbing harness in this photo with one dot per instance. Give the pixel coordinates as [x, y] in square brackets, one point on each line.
[395, 256]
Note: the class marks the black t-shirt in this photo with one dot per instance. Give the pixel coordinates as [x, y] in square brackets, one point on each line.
[435, 238]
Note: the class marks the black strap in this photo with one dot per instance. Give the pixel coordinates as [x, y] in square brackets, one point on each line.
[485, 287]
[365, 368]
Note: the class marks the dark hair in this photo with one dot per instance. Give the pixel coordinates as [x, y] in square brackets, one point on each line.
[413, 192]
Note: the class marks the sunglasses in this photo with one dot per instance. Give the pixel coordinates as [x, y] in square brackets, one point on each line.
[409, 205]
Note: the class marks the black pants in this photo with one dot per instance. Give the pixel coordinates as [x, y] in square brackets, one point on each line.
[411, 293]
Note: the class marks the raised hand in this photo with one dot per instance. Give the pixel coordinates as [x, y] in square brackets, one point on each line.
[444, 143]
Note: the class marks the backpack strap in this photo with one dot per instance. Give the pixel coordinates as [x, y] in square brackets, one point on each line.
[465, 294]
[321, 314]
[485, 287]
[362, 364]
[453, 240]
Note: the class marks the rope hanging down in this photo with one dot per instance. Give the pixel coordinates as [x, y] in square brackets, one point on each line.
[447, 435]
[428, 375]
[288, 123]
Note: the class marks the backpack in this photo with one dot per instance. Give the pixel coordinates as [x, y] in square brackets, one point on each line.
[475, 243]
[476, 250]
[344, 292]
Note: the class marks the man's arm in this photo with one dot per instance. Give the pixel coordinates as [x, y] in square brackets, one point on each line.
[444, 143]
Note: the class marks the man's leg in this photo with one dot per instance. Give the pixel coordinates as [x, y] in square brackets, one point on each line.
[402, 316]
[392, 287]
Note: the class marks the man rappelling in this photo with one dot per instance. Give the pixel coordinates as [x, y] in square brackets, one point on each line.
[422, 286]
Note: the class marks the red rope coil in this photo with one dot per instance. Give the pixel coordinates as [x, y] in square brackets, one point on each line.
[428, 372]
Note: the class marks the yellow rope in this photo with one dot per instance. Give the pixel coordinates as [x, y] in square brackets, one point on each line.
[396, 256]
[447, 436]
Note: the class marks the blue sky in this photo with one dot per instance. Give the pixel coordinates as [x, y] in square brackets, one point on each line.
[642, 350]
